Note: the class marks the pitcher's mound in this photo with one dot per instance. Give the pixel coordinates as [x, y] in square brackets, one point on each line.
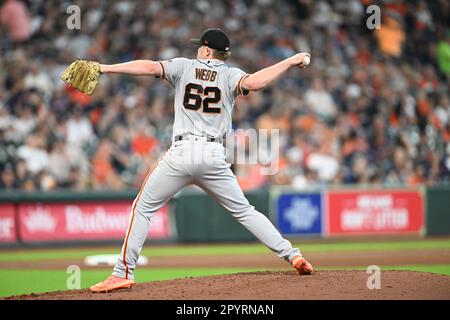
[348, 284]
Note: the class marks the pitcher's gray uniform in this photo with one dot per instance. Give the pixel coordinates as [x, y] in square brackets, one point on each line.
[205, 92]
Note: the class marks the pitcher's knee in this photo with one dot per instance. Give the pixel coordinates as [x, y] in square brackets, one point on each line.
[147, 210]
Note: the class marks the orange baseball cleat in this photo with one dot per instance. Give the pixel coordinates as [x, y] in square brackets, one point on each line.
[112, 283]
[302, 266]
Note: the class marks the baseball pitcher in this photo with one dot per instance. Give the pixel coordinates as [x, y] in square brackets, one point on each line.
[205, 92]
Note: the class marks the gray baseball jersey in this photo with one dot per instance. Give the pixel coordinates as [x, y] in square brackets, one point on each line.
[205, 92]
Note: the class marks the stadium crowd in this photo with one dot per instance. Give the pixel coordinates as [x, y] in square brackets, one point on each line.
[372, 108]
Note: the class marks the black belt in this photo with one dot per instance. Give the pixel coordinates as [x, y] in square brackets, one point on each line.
[209, 139]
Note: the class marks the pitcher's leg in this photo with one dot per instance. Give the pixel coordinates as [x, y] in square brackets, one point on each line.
[223, 186]
[160, 185]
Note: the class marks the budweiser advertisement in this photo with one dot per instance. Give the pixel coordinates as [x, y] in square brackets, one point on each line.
[83, 221]
[8, 232]
[374, 212]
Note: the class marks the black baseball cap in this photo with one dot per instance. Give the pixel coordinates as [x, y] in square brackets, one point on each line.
[215, 39]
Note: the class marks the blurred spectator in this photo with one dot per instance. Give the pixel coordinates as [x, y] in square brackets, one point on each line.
[7, 178]
[273, 120]
[326, 166]
[79, 129]
[38, 79]
[373, 106]
[102, 168]
[14, 16]
[250, 176]
[390, 36]
[35, 157]
[418, 176]
[320, 101]
[74, 180]
[443, 55]
[59, 162]
[22, 173]
[143, 141]
[47, 182]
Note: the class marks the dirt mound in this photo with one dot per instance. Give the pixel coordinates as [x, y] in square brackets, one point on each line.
[349, 284]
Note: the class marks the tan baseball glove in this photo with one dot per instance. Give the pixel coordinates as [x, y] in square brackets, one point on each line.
[82, 75]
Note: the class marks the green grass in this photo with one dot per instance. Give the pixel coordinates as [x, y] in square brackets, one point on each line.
[205, 250]
[15, 282]
[436, 268]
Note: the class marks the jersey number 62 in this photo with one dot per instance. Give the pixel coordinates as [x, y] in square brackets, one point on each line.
[196, 96]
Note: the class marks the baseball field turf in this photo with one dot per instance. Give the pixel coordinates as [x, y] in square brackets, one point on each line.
[40, 270]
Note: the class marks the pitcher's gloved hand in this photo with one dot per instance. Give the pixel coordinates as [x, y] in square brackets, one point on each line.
[82, 75]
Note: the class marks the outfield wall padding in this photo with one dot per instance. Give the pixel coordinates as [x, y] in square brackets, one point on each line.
[199, 218]
[193, 215]
[438, 210]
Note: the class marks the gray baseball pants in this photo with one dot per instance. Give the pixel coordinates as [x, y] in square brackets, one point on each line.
[203, 164]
